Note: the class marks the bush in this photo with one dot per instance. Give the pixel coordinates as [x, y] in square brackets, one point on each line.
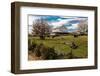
[44, 52]
[37, 51]
[48, 53]
[51, 53]
[73, 45]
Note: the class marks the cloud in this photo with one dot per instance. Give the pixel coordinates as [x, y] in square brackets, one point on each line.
[74, 26]
[61, 22]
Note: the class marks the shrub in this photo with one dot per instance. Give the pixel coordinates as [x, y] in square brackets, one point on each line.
[51, 53]
[48, 53]
[37, 51]
[44, 52]
[73, 46]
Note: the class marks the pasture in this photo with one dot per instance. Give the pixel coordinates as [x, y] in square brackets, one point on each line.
[62, 45]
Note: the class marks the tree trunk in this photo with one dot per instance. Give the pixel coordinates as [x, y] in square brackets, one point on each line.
[42, 37]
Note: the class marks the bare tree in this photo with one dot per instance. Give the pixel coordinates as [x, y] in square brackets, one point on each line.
[41, 28]
[83, 26]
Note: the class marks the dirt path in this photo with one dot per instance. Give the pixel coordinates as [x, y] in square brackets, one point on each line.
[31, 56]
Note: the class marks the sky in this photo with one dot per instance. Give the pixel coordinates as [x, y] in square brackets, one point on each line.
[70, 22]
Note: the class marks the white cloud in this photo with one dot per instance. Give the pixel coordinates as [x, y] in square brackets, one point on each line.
[65, 21]
[60, 22]
[69, 17]
[81, 19]
[74, 26]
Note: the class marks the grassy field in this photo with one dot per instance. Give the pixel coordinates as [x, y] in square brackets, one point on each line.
[62, 44]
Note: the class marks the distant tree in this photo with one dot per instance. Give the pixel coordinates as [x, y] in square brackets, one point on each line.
[83, 27]
[41, 28]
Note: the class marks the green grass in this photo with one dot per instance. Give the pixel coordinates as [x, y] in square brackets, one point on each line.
[58, 44]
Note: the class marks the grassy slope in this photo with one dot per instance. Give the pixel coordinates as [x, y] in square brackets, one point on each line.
[58, 44]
